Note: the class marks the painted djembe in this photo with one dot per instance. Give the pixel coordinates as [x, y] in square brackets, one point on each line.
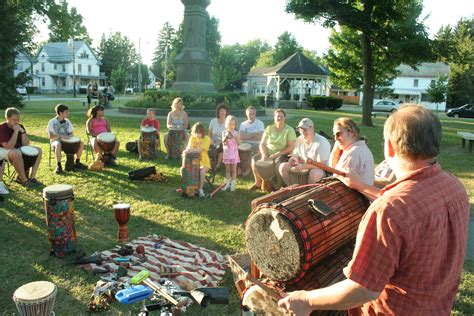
[122, 215]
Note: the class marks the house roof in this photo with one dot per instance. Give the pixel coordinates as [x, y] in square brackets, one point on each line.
[424, 70]
[61, 52]
[297, 64]
[258, 71]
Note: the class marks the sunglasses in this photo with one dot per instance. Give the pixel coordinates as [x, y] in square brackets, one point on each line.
[338, 134]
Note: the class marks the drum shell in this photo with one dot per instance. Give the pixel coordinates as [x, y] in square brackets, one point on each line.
[245, 156]
[175, 142]
[40, 306]
[122, 213]
[148, 144]
[190, 177]
[308, 235]
[298, 176]
[278, 196]
[106, 145]
[29, 160]
[70, 148]
[59, 210]
[265, 169]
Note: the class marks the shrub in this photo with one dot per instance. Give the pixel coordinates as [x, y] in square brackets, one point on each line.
[323, 102]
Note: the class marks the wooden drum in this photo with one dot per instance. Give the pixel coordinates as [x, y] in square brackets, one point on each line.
[35, 298]
[175, 143]
[245, 155]
[29, 154]
[122, 215]
[298, 176]
[106, 142]
[148, 140]
[190, 172]
[266, 171]
[70, 147]
[285, 240]
[59, 208]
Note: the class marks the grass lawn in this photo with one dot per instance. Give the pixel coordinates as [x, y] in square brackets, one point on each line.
[156, 209]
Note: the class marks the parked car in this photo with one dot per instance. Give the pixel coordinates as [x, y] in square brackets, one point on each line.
[21, 90]
[385, 106]
[467, 110]
[129, 90]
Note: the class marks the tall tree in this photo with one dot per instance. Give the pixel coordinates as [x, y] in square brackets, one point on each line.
[17, 25]
[437, 91]
[224, 73]
[265, 59]
[117, 50]
[145, 79]
[166, 38]
[119, 79]
[285, 46]
[65, 24]
[392, 25]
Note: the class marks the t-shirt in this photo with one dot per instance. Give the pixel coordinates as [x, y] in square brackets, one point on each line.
[204, 143]
[6, 133]
[251, 128]
[217, 130]
[60, 128]
[276, 141]
[357, 157]
[148, 122]
[319, 150]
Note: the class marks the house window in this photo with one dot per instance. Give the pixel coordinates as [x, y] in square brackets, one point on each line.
[43, 81]
[42, 67]
[55, 66]
[79, 68]
[89, 69]
[415, 83]
[424, 97]
[64, 67]
[64, 82]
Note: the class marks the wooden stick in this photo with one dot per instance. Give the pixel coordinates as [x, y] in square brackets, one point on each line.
[160, 291]
[264, 287]
[325, 167]
[213, 193]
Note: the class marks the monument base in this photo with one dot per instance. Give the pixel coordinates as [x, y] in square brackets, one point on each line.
[194, 86]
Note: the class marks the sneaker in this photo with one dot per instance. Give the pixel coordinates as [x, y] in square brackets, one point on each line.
[3, 188]
[35, 182]
[58, 170]
[232, 186]
[201, 193]
[226, 186]
[80, 166]
[28, 184]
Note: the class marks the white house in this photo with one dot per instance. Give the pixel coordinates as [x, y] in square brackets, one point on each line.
[54, 63]
[411, 85]
[23, 62]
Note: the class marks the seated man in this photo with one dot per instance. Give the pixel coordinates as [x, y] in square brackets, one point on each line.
[60, 128]
[13, 136]
[251, 132]
[308, 145]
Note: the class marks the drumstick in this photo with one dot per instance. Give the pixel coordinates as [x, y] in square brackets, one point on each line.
[264, 287]
[213, 193]
[325, 167]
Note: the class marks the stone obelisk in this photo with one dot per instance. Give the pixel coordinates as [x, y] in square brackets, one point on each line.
[193, 62]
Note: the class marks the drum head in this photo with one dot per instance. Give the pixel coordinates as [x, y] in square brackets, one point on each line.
[57, 190]
[29, 150]
[121, 206]
[148, 129]
[3, 153]
[245, 146]
[261, 303]
[34, 291]
[106, 137]
[72, 139]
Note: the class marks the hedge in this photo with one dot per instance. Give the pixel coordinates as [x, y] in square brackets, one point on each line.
[322, 102]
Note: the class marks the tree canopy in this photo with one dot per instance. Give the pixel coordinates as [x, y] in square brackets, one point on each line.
[116, 50]
[65, 24]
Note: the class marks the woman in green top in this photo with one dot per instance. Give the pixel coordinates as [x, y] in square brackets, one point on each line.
[277, 143]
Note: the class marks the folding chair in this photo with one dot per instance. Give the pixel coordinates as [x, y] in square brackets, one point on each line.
[89, 149]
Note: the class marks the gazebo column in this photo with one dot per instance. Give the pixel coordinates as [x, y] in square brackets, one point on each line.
[301, 91]
[278, 88]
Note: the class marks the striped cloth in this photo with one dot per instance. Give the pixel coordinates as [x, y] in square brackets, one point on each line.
[187, 266]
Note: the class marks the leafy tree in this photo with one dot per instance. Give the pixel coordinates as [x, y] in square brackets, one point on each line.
[65, 24]
[119, 79]
[437, 91]
[285, 46]
[224, 73]
[313, 56]
[265, 59]
[117, 50]
[17, 25]
[166, 38]
[144, 73]
[392, 26]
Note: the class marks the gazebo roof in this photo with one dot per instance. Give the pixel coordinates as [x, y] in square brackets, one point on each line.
[297, 64]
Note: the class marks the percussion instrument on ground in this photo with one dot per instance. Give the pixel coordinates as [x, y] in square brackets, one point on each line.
[70, 147]
[298, 176]
[245, 155]
[106, 143]
[148, 143]
[175, 143]
[122, 215]
[287, 239]
[59, 208]
[190, 172]
[266, 171]
[35, 298]
[29, 154]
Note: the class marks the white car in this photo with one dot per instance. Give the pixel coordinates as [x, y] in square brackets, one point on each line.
[385, 106]
[128, 90]
[21, 90]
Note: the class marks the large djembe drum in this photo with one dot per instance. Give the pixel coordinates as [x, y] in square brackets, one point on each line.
[59, 208]
[35, 298]
[70, 147]
[245, 155]
[148, 140]
[286, 239]
[106, 143]
[266, 171]
[29, 154]
[122, 215]
[298, 176]
[175, 143]
[190, 177]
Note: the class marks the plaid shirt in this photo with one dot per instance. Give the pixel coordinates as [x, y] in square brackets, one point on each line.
[411, 245]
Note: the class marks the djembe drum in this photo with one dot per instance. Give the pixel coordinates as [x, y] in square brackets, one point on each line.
[122, 215]
[70, 147]
[59, 209]
[148, 141]
[175, 143]
[190, 176]
[29, 154]
[106, 143]
[266, 171]
[245, 155]
[35, 298]
[286, 239]
[298, 176]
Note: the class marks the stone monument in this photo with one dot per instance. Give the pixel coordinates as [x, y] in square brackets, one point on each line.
[193, 62]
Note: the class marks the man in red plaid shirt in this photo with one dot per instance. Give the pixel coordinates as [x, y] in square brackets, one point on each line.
[411, 242]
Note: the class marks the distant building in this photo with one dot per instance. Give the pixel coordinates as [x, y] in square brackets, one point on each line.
[350, 96]
[152, 83]
[53, 67]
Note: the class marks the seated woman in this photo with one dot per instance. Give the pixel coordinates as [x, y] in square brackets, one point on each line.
[177, 123]
[350, 150]
[97, 124]
[277, 143]
[216, 127]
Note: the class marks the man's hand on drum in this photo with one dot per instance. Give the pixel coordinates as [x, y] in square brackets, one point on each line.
[351, 179]
[275, 155]
[296, 302]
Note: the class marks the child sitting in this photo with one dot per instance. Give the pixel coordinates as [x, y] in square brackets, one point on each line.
[201, 142]
[151, 121]
[231, 141]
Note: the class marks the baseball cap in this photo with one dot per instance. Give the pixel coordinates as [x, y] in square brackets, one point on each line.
[305, 123]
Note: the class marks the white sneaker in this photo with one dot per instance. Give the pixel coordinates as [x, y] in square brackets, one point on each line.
[226, 186]
[232, 186]
[3, 188]
[201, 193]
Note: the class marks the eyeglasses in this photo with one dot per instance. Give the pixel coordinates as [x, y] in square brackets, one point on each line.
[338, 134]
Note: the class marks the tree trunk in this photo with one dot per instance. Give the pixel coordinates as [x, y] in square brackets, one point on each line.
[368, 88]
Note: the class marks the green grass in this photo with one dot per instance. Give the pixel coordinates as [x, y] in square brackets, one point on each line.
[156, 209]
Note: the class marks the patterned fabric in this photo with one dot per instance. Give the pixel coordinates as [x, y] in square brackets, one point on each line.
[411, 245]
[60, 128]
[230, 148]
[61, 230]
[186, 265]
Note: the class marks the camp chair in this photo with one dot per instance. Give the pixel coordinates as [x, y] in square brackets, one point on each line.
[89, 148]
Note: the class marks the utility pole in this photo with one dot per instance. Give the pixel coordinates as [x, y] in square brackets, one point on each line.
[166, 65]
[71, 44]
[139, 67]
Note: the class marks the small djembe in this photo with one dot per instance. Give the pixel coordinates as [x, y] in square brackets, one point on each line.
[122, 215]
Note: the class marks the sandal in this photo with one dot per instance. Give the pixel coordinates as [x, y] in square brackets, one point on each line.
[254, 187]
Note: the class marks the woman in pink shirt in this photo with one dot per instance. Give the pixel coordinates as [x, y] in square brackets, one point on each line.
[97, 124]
